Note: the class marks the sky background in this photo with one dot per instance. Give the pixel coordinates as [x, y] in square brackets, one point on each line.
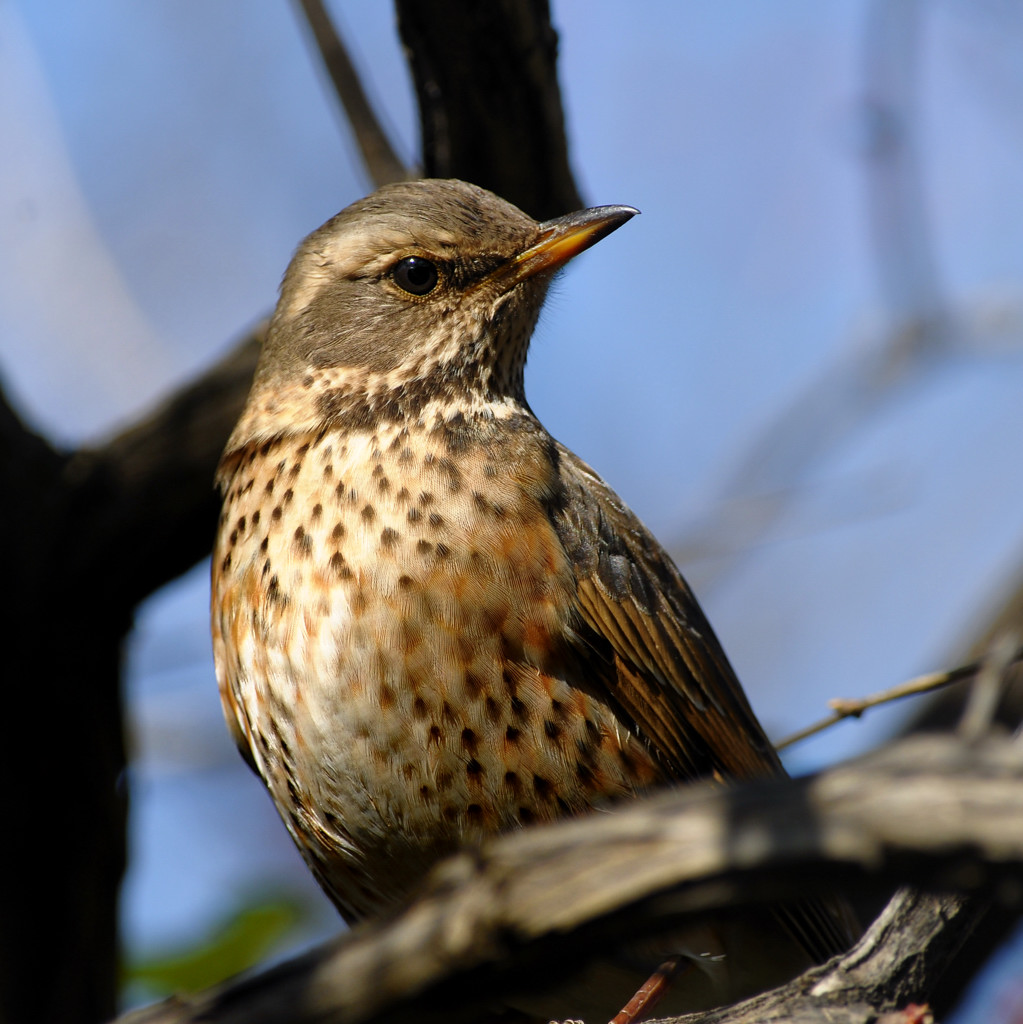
[161, 161]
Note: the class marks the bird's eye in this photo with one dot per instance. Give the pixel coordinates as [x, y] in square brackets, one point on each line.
[416, 275]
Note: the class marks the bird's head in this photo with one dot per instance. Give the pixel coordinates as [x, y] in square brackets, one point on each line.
[425, 291]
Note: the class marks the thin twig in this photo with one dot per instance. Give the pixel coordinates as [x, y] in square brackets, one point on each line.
[647, 998]
[382, 162]
[853, 707]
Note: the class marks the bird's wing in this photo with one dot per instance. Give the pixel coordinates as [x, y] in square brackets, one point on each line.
[663, 664]
[648, 646]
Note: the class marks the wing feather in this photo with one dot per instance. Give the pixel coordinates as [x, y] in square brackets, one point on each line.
[662, 666]
[665, 665]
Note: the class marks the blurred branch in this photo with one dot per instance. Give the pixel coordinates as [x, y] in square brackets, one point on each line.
[941, 714]
[58, 928]
[489, 103]
[96, 532]
[907, 271]
[382, 162]
[529, 908]
[149, 489]
[1004, 616]
[773, 472]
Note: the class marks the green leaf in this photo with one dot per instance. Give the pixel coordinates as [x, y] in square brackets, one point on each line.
[241, 940]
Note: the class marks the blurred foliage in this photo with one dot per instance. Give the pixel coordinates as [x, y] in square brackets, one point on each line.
[243, 938]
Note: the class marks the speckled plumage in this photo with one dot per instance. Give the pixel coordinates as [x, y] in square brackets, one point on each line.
[432, 622]
[401, 665]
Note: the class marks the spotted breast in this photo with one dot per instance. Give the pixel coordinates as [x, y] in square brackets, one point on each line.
[390, 622]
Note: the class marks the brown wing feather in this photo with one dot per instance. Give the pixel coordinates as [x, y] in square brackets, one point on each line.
[670, 673]
[661, 664]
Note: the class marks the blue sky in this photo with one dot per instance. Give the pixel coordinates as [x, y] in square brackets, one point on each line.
[163, 160]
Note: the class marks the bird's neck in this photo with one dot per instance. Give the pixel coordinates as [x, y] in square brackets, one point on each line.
[350, 401]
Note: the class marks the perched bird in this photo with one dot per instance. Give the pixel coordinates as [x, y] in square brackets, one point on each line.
[431, 621]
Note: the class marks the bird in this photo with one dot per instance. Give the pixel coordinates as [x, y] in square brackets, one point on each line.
[432, 622]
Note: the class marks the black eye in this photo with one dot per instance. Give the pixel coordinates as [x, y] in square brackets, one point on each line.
[415, 275]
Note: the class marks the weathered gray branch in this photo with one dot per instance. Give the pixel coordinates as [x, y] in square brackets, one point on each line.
[902, 955]
[531, 907]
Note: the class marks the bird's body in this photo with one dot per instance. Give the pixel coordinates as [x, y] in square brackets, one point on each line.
[431, 621]
[409, 611]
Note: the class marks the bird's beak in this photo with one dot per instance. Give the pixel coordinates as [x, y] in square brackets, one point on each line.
[564, 237]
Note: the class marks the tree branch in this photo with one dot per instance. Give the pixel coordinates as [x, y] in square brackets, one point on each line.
[378, 155]
[64, 737]
[147, 506]
[489, 102]
[902, 955]
[531, 907]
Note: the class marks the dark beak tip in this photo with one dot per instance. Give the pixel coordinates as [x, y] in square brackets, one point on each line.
[615, 215]
[611, 218]
[619, 213]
